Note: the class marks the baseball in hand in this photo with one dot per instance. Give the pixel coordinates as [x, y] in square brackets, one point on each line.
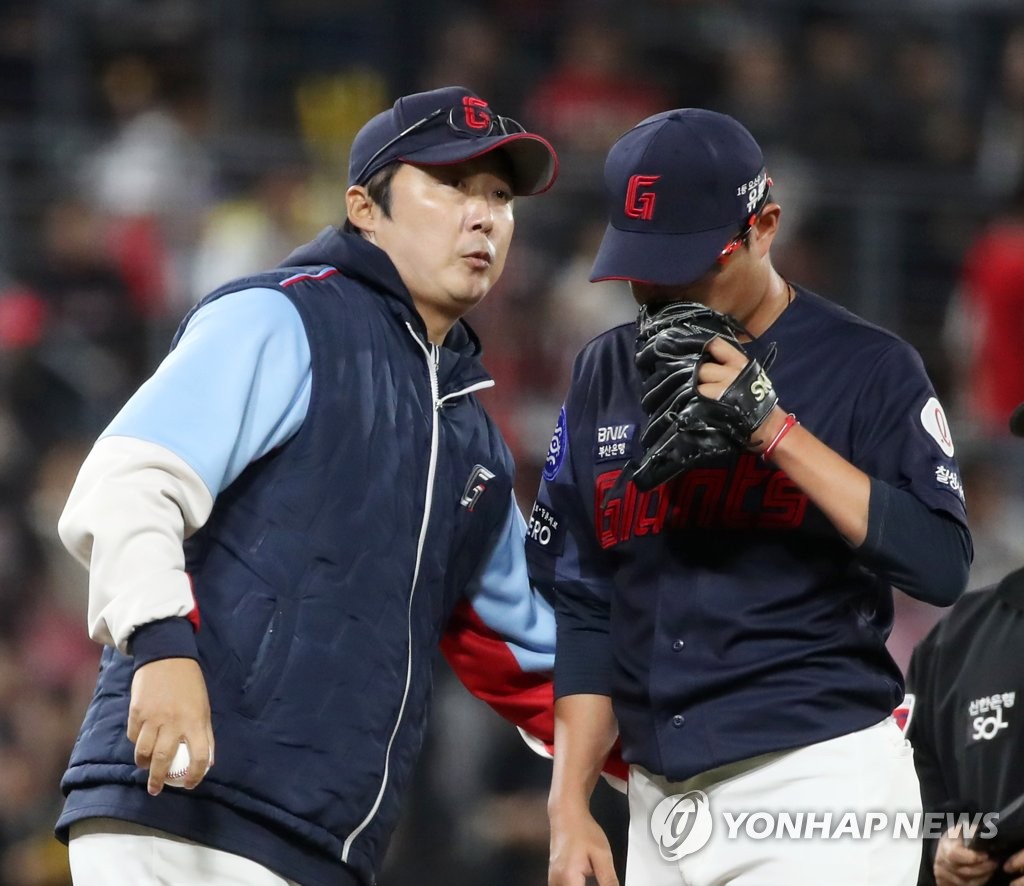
[179, 767]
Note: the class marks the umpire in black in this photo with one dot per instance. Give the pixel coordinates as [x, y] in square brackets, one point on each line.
[965, 701]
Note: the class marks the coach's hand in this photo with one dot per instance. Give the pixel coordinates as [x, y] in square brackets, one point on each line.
[956, 865]
[579, 849]
[170, 704]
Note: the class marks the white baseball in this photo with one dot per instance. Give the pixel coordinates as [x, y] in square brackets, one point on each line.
[179, 767]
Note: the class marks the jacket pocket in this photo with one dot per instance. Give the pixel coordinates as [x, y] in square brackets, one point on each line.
[268, 664]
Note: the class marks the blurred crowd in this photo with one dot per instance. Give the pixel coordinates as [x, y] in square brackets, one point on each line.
[152, 150]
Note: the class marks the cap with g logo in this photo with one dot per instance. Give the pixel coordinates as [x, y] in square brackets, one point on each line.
[680, 185]
[446, 126]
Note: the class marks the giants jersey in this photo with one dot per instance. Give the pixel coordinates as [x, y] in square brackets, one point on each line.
[734, 618]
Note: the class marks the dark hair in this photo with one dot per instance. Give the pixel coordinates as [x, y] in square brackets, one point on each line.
[379, 190]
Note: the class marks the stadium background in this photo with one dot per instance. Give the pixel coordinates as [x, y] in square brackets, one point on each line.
[150, 149]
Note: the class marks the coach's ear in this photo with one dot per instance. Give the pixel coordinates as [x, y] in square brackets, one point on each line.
[362, 212]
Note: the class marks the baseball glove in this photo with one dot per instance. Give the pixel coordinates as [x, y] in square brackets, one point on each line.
[683, 426]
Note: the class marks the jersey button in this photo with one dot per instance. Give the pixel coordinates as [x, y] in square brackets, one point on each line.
[678, 644]
[678, 720]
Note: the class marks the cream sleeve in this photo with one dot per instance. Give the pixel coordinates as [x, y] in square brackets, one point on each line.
[129, 512]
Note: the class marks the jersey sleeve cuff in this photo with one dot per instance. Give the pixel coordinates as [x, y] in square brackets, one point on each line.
[166, 638]
[924, 553]
[583, 664]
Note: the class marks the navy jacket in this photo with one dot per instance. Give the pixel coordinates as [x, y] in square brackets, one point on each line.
[324, 579]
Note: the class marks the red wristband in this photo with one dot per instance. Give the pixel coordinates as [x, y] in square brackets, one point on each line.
[786, 425]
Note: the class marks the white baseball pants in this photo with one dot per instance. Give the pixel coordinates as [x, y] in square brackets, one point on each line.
[870, 771]
[104, 851]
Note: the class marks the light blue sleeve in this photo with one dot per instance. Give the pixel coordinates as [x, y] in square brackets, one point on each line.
[501, 595]
[236, 386]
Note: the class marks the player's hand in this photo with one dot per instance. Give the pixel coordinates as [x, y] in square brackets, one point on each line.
[716, 374]
[956, 865]
[715, 377]
[579, 850]
[170, 704]
[1014, 866]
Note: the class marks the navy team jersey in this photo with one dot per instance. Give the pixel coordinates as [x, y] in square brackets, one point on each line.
[722, 611]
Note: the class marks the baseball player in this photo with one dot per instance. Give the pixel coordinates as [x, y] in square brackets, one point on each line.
[720, 525]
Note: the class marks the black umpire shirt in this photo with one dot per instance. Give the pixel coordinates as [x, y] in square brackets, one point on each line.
[966, 685]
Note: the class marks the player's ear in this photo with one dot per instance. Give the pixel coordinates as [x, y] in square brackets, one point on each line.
[765, 229]
[361, 210]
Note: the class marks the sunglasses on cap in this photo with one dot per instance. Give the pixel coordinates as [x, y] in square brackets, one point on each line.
[737, 241]
[473, 120]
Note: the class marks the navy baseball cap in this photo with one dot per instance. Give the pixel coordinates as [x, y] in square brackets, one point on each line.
[446, 126]
[680, 186]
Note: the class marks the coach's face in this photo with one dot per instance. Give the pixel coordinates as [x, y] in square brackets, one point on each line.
[448, 234]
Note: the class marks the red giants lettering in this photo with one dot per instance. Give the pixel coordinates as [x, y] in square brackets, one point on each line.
[746, 496]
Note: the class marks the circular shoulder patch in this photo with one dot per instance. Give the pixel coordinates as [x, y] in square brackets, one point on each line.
[556, 449]
[934, 421]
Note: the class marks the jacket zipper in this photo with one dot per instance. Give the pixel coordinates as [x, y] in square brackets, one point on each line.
[432, 354]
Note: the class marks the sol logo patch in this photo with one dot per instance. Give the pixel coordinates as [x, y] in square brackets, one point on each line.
[556, 449]
[934, 421]
[989, 716]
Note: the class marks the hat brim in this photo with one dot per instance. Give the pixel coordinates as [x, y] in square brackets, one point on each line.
[534, 161]
[660, 259]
